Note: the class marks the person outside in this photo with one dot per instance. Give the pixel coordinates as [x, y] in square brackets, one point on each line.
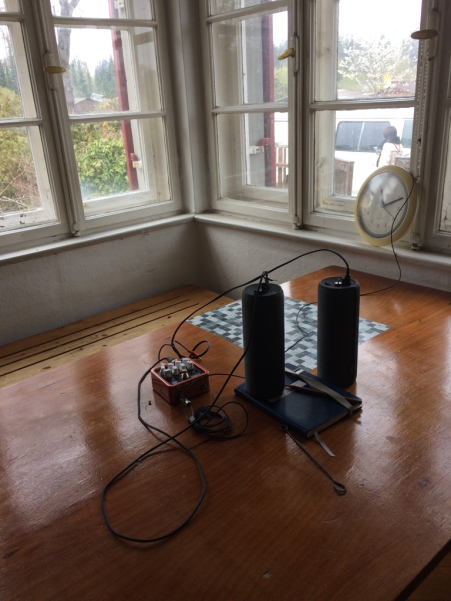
[390, 148]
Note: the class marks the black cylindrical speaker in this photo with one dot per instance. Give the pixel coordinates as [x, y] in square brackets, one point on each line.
[264, 338]
[338, 330]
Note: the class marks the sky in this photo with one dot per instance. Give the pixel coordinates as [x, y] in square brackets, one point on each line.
[365, 18]
[361, 18]
[393, 18]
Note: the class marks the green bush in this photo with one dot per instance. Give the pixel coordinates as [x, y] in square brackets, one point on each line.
[18, 186]
[102, 168]
[100, 156]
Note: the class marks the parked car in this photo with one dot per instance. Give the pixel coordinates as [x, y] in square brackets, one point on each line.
[358, 136]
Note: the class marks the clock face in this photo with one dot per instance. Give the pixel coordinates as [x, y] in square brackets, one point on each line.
[382, 205]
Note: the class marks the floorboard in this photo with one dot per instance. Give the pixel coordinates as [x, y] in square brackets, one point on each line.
[31, 356]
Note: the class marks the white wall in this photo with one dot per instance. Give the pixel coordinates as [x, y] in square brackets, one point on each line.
[234, 254]
[50, 291]
[47, 292]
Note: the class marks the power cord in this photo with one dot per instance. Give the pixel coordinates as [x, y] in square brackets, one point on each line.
[174, 438]
[211, 420]
[138, 460]
[393, 246]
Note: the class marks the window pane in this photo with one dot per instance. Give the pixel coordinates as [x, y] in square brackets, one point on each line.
[445, 221]
[16, 96]
[223, 6]
[121, 164]
[362, 140]
[253, 153]
[369, 53]
[104, 9]
[25, 195]
[109, 70]
[9, 6]
[246, 66]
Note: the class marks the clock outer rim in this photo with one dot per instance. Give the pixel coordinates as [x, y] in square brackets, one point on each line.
[408, 179]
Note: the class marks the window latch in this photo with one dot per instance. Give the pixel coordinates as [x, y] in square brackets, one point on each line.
[52, 69]
[286, 54]
[292, 51]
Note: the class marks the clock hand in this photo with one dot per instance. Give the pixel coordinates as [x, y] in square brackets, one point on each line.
[392, 201]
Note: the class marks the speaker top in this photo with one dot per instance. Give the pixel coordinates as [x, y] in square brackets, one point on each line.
[337, 283]
[263, 290]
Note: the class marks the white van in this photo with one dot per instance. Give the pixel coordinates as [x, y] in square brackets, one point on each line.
[358, 135]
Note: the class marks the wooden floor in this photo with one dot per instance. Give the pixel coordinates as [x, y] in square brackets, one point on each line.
[32, 356]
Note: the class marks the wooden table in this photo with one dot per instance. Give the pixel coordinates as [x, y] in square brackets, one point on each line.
[271, 526]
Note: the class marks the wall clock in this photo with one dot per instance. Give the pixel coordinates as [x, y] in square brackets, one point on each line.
[386, 205]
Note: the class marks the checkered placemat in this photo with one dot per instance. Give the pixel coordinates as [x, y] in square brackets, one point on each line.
[300, 329]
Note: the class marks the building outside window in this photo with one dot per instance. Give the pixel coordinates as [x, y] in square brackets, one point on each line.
[355, 71]
[88, 125]
[362, 80]
[248, 94]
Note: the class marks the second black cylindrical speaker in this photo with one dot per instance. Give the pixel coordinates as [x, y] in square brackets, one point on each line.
[264, 339]
[338, 330]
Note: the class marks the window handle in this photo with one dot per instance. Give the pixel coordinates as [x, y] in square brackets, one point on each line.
[292, 51]
[54, 69]
[286, 53]
[51, 69]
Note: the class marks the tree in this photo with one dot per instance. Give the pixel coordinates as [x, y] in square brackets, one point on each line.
[67, 10]
[8, 75]
[280, 73]
[18, 186]
[281, 82]
[371, 65]
[105, 79]
[81, 79]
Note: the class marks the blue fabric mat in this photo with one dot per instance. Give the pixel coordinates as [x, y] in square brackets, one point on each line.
[300, 329]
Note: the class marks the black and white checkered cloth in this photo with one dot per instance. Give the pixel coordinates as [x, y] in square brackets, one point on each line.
[300, 329]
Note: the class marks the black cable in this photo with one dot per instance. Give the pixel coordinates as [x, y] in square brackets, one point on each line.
[213, 421]
[209, 303]
[134, 463]
[311, 252]
[174, 438]
[202, 413]
[221, 422]
[346, 280]
[393, 246]
[192, 352]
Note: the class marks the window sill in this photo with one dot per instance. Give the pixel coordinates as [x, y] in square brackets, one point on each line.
[94, 238]
[352, 242]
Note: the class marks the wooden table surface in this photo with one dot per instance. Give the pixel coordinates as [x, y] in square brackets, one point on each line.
[271, 525]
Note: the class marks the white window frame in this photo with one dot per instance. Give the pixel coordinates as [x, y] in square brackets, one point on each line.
[438, 148]
[432, 115]
[37, 24]
[125, 214]
[430, 144]
[271, 204]
[27, 50]
[341, 218]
